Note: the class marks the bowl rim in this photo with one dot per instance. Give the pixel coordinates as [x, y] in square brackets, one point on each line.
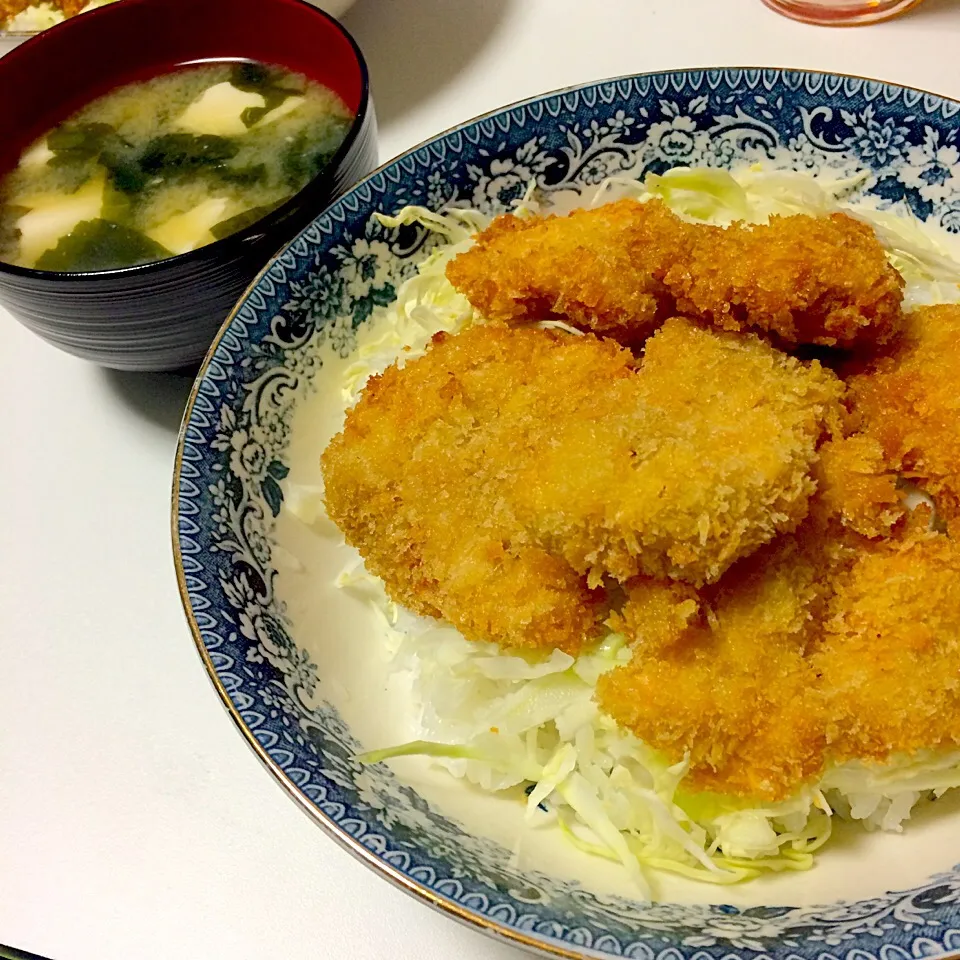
[539, 945]
[232, 245]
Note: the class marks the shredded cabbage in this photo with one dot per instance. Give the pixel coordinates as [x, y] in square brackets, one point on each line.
[526, 723]
[514, 721]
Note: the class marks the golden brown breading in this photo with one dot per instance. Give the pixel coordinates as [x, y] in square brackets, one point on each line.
[413, 483]
[857, 487]
[598, 269]
[909, 404]
[680, 470]
[903, 422]
[816, 650]
[657, 613]
[821, 648]
[455, 473]
[823, 280]
[492, 481]
[734, 689]
[10, 8]
[890, 657]
[623, 267]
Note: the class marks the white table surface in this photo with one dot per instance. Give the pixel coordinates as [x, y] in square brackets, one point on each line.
[135, 823]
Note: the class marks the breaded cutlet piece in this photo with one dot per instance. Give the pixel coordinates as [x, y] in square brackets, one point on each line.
[908, 404]
[411, 481]
[889, 660]
[621, 268]
[821, 648]
[728, 683]
[807, 280]
[599, 270]
[486, 479]
[677, 471]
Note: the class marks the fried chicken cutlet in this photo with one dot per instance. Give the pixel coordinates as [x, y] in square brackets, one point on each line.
[600, 270]
[889, 658]
[857, 486]
[498, 477]
[816, 650]
[908, 403]
[903, 425]
[698, 459]
[412, 483]
[722, 676]
[621, 268]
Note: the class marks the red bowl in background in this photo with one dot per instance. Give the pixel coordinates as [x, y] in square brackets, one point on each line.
[162, 315]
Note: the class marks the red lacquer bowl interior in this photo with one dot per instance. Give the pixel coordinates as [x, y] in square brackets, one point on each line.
[59, 71]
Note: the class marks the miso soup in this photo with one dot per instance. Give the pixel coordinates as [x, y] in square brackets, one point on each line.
[158, 168]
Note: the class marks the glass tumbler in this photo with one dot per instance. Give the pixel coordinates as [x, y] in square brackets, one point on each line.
[841, 13]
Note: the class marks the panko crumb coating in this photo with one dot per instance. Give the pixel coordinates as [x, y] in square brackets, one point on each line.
[621, 268]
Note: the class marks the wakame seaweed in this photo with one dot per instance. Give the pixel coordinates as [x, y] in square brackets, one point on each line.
[117, 204]
[77, 142]
[243, 176]
[101, 245]
[124, 169]
[130, 170]
[250, 76]
[301, 162]
[181, 152]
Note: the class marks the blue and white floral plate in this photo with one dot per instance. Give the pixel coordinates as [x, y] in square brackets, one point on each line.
[291, 655]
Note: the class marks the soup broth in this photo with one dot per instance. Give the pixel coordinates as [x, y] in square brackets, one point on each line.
[158, 168]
